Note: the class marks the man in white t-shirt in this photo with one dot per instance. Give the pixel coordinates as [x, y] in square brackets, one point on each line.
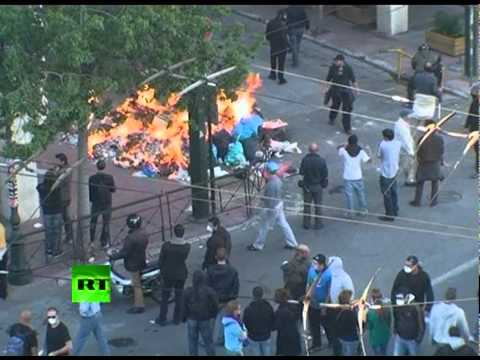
[389, 154]
[403, 134]
[353, 156]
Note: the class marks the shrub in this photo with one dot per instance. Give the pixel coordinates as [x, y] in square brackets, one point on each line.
[448, 24]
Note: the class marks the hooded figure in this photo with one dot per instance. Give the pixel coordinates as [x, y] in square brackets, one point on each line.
[445, 315]
[340, 279]
[455, 345]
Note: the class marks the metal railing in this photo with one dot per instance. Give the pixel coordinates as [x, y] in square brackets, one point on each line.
[161, 212]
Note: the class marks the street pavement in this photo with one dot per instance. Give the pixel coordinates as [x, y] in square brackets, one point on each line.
[363, 246]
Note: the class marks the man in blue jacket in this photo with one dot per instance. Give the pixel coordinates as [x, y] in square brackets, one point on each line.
[317, 315]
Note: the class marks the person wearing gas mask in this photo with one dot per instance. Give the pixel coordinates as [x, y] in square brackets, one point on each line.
[273, 211]
[409, 324]
[416, 281]
[425, 54]
[57, 338]
[220, 238]
[134, 255]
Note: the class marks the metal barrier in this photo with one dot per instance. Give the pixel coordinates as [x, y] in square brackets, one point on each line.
[160, 213]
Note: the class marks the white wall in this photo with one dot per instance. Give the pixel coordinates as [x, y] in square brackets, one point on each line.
[392, 19]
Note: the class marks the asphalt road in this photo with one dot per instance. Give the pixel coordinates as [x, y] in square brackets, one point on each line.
[363, 247]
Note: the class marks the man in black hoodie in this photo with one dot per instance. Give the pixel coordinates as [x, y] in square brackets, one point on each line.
[416, 281]
[223, 278]
[220, 239]
[276, 34]
[259, 319]
[100, 189]
[297, 22]
[408, 325]
[52, 213]
[134, 255]
[200, 307]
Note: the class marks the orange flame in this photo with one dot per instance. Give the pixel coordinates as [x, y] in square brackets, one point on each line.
[164, 138]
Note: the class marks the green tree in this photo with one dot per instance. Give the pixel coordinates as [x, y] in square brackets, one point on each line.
[71, 53]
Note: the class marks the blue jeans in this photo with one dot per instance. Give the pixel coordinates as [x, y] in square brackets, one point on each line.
[53, 232]
[203, 328]
[295, 37]
[404, 347]
[349, 348]
[358, 188]
[380, 350]
[87, 326]
[260, 348]
[390, 197]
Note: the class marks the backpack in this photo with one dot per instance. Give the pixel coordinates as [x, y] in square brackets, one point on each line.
[16, 345]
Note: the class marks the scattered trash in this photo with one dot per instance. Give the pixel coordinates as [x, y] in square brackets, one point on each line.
[285, 146]
[181, 175]
[369, 123]
[37, 225]
[139, 174]
[218, 172]
[330, 142]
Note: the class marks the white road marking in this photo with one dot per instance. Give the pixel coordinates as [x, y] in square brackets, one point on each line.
[455, 272]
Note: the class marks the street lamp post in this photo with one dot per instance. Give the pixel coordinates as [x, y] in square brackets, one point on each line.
[19, 272]
[471, 41]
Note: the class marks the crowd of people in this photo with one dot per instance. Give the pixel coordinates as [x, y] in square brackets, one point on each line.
[211, 307]
[212, 302]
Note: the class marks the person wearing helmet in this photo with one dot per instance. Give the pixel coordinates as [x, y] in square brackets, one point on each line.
[134, 255]
[425, 54]
[272, 211]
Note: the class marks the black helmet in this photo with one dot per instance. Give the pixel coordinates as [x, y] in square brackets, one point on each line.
[134, 221]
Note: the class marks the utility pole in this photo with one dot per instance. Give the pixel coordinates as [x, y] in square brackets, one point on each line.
[212, 118]
[471, 41]
[197, 114]
[201, 109]
[19, 272]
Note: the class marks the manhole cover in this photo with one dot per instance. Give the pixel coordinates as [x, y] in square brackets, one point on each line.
[449, 196]
[122, 342]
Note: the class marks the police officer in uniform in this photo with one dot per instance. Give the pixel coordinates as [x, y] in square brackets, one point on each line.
[341, 73]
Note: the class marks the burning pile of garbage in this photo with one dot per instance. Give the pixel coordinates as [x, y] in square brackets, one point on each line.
[146, 135]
